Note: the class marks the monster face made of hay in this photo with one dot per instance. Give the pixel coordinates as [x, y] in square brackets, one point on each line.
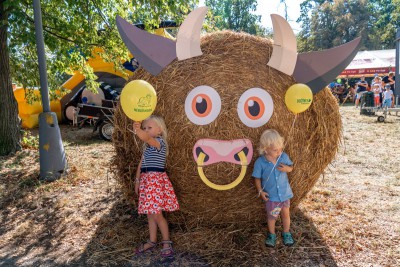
[216, 102]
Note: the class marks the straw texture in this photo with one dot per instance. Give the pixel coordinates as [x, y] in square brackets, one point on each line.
[231, 63]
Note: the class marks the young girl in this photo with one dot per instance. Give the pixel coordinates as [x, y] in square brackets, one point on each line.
[377, 92]
[152, 184]
[271, 180]
[377, 89]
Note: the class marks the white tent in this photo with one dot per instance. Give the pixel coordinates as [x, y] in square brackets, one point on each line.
[367, 63]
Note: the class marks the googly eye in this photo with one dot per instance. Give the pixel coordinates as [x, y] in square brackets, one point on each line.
[202, 105]
[255, 107]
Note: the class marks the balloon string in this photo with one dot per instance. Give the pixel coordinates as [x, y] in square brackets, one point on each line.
[134, 138]
[290, 131]
[136, 143]
[289, 135]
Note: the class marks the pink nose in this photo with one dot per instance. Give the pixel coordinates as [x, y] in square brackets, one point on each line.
[222, 151]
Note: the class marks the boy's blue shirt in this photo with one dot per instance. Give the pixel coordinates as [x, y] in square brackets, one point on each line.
[277, 185]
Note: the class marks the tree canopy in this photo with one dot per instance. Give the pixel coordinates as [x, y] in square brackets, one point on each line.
[236, 15]
[71, 29]
[326, 24]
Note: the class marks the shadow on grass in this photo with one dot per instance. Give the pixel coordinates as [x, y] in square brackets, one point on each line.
[32, 228]
[121, 230]
[38, 229]
[73, 135]
[228, 245]
[85, 136]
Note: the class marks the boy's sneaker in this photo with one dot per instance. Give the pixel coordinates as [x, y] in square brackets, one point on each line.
[288, 239]
[271, 240]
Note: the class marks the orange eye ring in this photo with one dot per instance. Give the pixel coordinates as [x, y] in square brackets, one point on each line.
[208, 108]
[255, 107]
[261, 105]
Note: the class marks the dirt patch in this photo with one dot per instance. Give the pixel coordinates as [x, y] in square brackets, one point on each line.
[351, 217]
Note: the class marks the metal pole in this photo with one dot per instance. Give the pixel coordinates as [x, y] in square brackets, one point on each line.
[397, 67]
[51, 150]
[41, 55]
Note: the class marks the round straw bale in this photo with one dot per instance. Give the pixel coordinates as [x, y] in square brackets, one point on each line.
[231, 63]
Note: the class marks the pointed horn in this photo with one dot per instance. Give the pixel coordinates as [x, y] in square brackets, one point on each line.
[153, 52]
[188, 38]
[317, 69]
[284, 55]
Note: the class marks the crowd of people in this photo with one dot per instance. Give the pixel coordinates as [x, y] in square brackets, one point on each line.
[382, 87]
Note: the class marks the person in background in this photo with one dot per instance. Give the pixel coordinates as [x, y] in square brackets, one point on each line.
[362, 87]
[338, 92]
[377, 86]
[377, 92]
[388, 97]
[352, 92]
[389, 80]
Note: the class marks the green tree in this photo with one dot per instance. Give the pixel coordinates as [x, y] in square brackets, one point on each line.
[330, 23]
[385, 20]
[72, 28]
[9, 129]
[236, 15]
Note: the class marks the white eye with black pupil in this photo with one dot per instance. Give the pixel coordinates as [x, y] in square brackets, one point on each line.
[255, 107]
[202, 105]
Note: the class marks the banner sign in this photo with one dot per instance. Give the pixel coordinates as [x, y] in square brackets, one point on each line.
[372, 71]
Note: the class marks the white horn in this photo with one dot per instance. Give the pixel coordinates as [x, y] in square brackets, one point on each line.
[284, 54]
[188, 38]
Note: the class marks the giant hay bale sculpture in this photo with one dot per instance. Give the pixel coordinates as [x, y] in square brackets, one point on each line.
[232, 63]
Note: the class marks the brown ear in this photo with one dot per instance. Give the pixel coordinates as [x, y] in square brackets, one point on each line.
[318, 69]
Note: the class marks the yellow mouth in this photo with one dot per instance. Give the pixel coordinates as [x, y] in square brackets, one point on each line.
[243, 162]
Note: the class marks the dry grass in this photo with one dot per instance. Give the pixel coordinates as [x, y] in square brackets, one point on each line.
[350, 218]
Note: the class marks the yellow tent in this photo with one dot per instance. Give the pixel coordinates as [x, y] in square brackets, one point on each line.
[29, 112]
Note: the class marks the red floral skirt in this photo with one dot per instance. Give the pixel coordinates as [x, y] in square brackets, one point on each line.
[156, 193]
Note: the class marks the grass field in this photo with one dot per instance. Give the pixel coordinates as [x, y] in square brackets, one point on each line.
[350, 218]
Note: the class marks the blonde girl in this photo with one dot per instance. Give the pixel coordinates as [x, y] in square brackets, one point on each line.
[152, 184]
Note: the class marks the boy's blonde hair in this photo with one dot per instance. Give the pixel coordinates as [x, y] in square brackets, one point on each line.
[160, 123]
[270, 138]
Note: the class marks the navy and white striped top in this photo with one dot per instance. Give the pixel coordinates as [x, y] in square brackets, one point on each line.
[154, 159]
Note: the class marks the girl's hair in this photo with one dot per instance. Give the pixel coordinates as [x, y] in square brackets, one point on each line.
[270, 138]
[160, 123]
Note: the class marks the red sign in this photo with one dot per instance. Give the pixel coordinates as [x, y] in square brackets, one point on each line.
[366, 71]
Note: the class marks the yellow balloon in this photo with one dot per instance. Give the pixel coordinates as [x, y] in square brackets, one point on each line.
[298, 98]
[138, 100]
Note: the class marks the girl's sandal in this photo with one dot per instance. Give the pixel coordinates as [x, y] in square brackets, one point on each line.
[167, 253]
[140, 250]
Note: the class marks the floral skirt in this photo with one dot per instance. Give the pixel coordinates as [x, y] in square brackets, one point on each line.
[156, 193]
